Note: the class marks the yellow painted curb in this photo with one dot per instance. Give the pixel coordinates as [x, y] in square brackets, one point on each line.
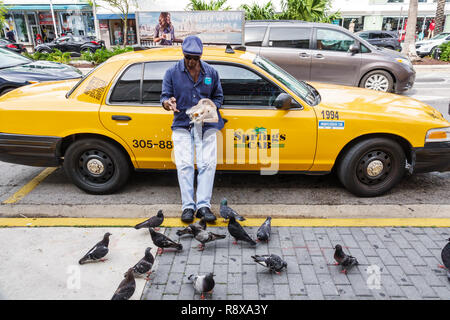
[19, 195]
[176, 222]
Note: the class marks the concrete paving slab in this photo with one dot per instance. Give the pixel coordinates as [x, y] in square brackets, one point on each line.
[42, 263]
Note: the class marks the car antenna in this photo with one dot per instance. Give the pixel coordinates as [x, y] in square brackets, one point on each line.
[229, 49]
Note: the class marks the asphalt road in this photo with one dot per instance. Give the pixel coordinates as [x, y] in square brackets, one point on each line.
[146, 190]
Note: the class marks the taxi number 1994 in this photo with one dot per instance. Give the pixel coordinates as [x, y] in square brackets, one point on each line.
[149, 144]
[330, 115]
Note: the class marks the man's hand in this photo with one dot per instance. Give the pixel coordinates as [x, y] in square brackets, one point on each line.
[171, 105]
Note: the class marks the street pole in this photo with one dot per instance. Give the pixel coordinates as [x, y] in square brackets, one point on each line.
[54, 21]
[96, 23]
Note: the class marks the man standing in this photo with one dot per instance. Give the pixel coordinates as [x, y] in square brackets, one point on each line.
[10, 35]
[184, 84]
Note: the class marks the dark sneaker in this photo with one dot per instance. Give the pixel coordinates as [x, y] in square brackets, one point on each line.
[187, 215]
[206, 213]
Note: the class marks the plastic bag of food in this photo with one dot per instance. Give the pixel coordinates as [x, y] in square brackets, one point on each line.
[204, 111]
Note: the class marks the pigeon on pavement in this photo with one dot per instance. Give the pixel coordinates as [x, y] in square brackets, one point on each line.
[144, 265]
[272, 261]
[263, 233]
[126, 287]
[238, 232]
[152, 222]
[445, 255]
[162, 241]
[188, 230]
[346, 261]
[226, 212]
[203, 284]
[98, 251]
[204, 236]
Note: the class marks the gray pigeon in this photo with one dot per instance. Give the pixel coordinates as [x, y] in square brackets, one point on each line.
[226, 212]
[273, 262]
[98, 251]
[263, 233]
[346, 261]
[162, 241]
[152, 222]
[203, 284]
[237, 232]
[144, 265]
[445, 255]
[126, 287]
[188, 230]
[204, 236]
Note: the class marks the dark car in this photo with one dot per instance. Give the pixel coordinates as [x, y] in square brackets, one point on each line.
[17, 70]
[328, 53]
[384, 39]
[15, 47]
[71, 43]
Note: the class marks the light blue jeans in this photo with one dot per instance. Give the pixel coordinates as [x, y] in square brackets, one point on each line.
[188, 146]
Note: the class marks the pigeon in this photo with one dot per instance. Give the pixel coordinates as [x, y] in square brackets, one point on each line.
[226, 212]
[203, 284]
[144, 265]
[204, 236]
[273, 262]
[98, 251]
[152, 222]
[263, 233]
[445, 255]
[346, 261]
[126, 287]
[188, 230]
[162, 241]
[237, 232]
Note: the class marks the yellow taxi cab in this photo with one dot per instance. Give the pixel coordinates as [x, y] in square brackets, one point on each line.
[111, 122]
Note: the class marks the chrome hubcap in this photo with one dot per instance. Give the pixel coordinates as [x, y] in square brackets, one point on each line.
[375, 168]
[377, 82]
[95, 166]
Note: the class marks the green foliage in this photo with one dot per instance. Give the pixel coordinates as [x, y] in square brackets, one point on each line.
[3, 11]
[55, 56]
[103, 54]
[213, 5]
[308, 10]
[257, 12]
[445, 54]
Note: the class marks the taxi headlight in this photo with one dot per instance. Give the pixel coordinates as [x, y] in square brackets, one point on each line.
[438, 135]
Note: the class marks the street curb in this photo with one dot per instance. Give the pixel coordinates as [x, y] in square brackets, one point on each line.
[432, 66]
[276, 222]
[247, 210]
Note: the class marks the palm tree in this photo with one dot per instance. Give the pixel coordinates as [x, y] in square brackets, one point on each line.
[409, 46]
[204, 5]
[440, 16]
[256, 12]
[3, 11]
[307, 10]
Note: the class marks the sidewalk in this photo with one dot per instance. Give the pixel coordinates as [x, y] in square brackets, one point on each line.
[408, 259]
[41, 263]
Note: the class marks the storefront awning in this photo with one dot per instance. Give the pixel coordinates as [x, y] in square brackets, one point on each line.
[47, 7]
[113, 16]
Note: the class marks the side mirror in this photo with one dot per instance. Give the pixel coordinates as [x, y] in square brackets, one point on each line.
[354, 49]
[283, 101]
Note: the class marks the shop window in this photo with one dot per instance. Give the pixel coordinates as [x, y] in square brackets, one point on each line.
[21, 28]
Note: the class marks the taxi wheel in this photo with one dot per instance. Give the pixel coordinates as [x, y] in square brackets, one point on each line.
[96, 166]
[372, 167]
[378, 80]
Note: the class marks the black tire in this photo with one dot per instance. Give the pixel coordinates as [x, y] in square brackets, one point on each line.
[389, 47]
[113, 165]
[91, 50]
[353, 169]
[378, 73]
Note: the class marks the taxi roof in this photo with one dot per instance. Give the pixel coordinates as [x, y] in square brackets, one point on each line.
[175, 53]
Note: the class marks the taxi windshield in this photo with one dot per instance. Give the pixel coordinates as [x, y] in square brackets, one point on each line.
[303, 90]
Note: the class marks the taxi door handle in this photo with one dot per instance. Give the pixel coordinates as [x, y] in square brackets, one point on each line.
[121, 118]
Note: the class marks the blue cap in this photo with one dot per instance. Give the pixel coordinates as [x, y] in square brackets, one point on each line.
[192, 45]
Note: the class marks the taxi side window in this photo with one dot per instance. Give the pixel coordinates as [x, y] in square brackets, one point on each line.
[128, 88]
[245, 89]
[152, 85]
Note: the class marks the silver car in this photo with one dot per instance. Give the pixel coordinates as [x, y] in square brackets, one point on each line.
[328, 53]
[426, 47]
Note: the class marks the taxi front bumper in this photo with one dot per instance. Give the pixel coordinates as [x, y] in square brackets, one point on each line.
[434, 156]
